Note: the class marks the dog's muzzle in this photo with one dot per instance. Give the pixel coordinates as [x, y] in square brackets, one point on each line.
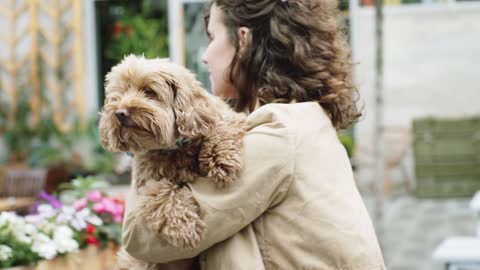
[123, 116]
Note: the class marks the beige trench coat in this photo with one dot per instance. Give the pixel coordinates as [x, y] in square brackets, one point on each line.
[294, 206]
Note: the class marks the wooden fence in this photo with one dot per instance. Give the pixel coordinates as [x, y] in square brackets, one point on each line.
[44, 56]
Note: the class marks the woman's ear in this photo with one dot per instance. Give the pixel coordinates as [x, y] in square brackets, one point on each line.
[243, 38]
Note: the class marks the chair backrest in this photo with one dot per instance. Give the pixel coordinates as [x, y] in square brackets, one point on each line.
[22, 182]
[447, 156]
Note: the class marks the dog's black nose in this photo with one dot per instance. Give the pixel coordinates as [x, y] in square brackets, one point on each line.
[122, 115]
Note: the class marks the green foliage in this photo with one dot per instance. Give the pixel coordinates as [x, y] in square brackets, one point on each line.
[138, 35]
[348, 142]
[81, 185]
[46, 146]
[78, 236]
[17, 137]
[101, 161]
[45, 156]
[3, 110]
[22, 255]
[112, 231]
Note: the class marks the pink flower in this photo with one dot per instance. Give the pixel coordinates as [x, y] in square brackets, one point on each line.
[94, 196]
[99, 208]
[109, 204]
[80, 204]
[117, 219]
[118, 210]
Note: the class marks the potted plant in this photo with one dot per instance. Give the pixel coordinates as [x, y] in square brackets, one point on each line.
[56, 228]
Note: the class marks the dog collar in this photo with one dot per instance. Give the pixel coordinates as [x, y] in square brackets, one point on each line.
[182, 142]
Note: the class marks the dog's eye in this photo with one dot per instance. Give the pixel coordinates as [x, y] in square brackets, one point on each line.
[149, 93]
[111, 99]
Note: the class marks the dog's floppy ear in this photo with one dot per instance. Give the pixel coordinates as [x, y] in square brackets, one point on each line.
[107, 139]
[194, 114]
[104, 130]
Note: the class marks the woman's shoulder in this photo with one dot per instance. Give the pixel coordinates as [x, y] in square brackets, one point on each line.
[268, 134]
[293, 117]
[271, 137]
[285, 128]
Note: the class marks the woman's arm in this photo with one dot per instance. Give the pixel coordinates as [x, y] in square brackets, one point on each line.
[263, 182]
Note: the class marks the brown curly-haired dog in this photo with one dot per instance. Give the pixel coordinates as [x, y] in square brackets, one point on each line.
[176, 132]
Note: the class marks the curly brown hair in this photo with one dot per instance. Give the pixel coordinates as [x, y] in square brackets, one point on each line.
[295, 51]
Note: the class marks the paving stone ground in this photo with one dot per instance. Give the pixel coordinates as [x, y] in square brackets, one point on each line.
[415, 227]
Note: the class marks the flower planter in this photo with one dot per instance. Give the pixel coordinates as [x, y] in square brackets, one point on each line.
[93, 220]
[20, 268]
[89, 258]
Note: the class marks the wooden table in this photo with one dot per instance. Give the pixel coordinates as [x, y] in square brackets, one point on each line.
[16, 203]
[459, 253]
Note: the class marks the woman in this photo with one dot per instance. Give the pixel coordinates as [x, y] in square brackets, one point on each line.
[295, 204]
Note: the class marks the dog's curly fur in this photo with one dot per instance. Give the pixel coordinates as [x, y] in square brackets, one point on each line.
[150, 105]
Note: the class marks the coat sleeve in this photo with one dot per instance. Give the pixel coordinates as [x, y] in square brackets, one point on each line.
[263, 182]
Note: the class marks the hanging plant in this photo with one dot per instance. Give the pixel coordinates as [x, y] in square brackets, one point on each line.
[138, 35]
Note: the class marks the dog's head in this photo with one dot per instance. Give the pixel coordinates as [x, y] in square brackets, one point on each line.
[150, 103]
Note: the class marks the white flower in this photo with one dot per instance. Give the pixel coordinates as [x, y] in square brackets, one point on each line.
[68, 210]
[87, 215]
[23, 238]
[94, 220]
[3, 218]
[475, 202]
[29, 229]
[35, 219]
[44, 246]
[48, 227]
[63, 238]
[16, 225]
[5, 252]
[80, 219]
[46, 211]
[64, 218]
[64, 231]
[10, 218]
[79, 224]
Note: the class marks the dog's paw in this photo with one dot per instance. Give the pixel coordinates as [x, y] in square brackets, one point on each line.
[223, 169]
[220, 157]
[223, 176]
[184, 229]
[154, 200]
[172, 212]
